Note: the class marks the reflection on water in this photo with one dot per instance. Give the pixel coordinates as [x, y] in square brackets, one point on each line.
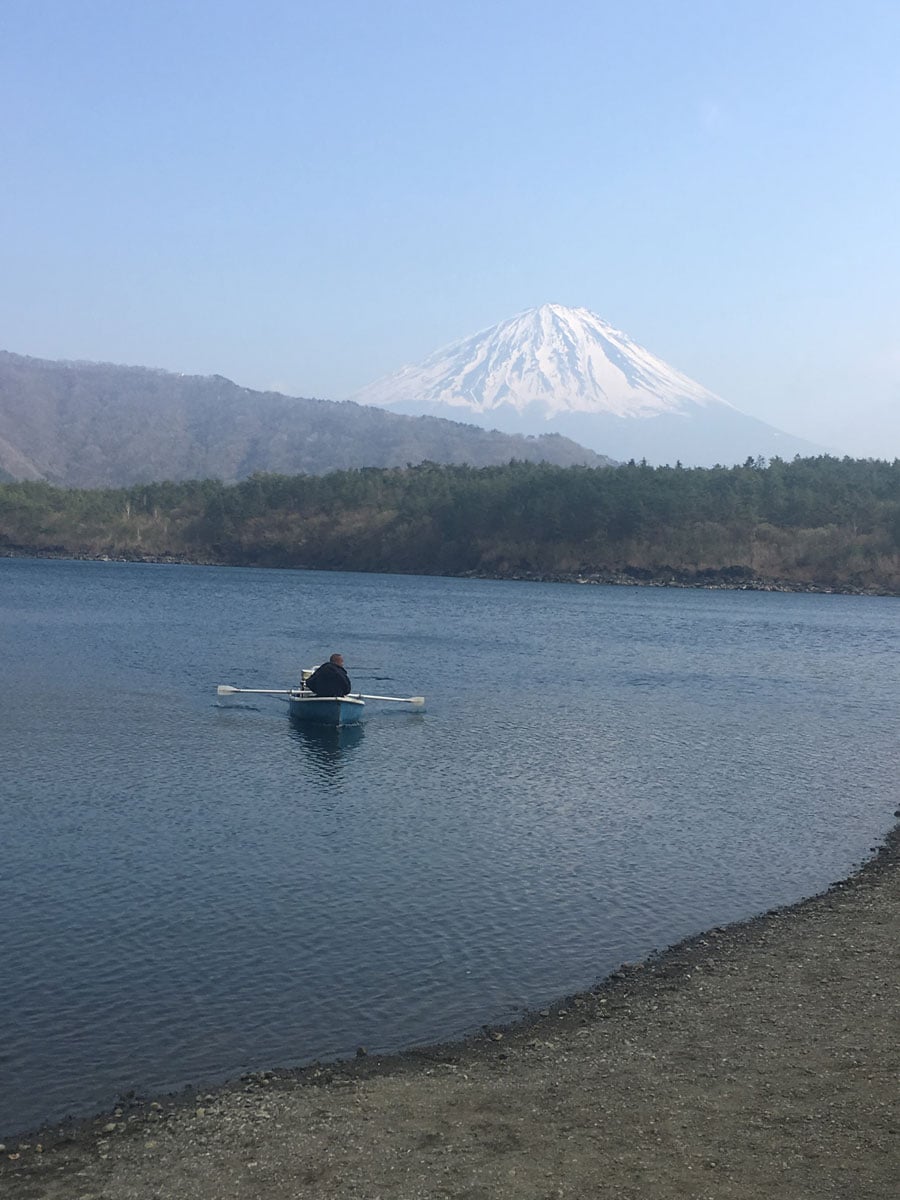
[325, 746]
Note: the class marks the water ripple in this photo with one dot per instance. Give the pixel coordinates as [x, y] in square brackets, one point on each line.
[193, 887]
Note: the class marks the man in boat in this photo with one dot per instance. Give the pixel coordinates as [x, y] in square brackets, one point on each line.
[330, 679]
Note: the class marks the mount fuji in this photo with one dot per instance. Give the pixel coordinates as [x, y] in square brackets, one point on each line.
[564, 370]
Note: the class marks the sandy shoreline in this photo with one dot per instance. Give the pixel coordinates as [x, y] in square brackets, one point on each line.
[757, 1060]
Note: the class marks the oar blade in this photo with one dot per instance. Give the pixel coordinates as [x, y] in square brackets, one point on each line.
[225, 689]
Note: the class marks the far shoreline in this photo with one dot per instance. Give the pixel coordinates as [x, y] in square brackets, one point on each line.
[728, 580]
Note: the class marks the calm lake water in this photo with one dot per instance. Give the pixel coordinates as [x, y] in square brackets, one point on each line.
[191, 887]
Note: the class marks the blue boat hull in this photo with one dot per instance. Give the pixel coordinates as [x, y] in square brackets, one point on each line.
[326, 710]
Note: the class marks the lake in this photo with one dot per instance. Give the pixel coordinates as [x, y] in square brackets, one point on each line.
[192, 888]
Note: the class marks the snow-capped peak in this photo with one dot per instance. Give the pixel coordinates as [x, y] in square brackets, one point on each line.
[546, 361]
[565, 370]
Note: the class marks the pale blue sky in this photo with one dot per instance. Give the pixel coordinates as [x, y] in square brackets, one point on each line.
[306, 196]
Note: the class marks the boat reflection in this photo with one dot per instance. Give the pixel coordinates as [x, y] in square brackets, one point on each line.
[326, 745]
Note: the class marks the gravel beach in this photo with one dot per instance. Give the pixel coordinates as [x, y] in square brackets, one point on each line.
[758, 1060]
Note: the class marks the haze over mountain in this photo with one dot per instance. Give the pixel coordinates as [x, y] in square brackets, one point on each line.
[566, 370]
[81, 424]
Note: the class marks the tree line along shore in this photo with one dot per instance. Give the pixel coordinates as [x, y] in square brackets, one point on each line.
[817, 524]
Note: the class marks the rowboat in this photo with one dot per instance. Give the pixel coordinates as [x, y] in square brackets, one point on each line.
[325, 710]
[306, 706]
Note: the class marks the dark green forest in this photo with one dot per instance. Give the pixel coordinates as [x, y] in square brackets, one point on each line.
[821, 521]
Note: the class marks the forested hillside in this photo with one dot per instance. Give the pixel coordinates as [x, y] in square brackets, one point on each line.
[100, 425]
[822, 521]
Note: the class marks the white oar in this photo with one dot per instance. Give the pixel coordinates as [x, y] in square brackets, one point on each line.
[225, 689]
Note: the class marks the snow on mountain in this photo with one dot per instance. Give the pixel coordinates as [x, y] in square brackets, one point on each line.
[553, 358]
[565, 370]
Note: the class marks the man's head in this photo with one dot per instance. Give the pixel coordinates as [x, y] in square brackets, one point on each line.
[337, 659]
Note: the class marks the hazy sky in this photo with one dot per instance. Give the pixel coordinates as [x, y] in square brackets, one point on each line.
[306, 196]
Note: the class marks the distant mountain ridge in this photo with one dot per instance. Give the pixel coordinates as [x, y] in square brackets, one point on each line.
[569, 371]
[80, 424]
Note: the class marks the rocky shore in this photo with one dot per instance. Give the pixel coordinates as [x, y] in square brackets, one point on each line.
[729, 579]
[760, 1061]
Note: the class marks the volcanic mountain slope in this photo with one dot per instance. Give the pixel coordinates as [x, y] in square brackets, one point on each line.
[83, 424]
[565, 370]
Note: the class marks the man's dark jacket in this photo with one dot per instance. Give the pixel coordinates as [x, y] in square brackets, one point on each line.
[329, 680]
